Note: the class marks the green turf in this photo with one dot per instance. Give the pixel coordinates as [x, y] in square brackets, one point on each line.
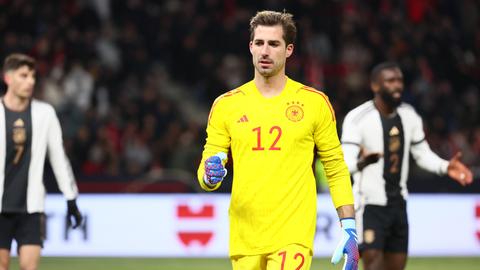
[49, 263]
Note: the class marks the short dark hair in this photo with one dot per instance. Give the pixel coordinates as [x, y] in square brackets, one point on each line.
[15, 61]
[272, 18]
[380, 67]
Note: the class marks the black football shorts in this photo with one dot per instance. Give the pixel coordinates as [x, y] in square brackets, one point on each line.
[26, 229]
[384, 228]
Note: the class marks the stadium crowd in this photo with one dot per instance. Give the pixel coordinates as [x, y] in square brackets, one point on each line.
[132, 80]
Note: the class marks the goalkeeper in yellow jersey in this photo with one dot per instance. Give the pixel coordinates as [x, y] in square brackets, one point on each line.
[271, 125]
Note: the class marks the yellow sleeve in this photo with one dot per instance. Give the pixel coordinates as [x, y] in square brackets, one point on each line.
[330, 153]
[218, 139]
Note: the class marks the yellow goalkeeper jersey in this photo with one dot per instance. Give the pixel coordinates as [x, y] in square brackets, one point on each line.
[272, 142]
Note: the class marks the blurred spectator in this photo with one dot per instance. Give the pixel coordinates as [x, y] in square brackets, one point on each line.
[78, 87]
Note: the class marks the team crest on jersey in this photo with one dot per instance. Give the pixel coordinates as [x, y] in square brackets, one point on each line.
[19, 133]
[294, 111]
[394, 143]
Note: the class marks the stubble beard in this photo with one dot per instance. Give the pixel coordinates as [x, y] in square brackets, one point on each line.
[267, 73]
[24, 94]
[389, 99]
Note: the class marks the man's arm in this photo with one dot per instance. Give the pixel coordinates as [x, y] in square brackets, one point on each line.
[351, 152]
[346, 211]
[58, 159]
[366, 159]
[211, 170]
[428, 160]
[331, 155]
[351, 143]
[63, 171]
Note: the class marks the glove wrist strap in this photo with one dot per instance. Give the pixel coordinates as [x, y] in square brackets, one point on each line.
[348, 223]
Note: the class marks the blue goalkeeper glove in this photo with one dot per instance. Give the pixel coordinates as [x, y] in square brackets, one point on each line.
[348, 246]
[214, 169]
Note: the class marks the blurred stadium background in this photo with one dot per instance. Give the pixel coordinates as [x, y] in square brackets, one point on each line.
[132, 82]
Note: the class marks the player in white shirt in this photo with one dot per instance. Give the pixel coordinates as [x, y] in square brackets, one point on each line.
[377, 139]
[29, 129]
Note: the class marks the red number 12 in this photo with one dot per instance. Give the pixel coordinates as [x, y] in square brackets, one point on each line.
[284, 255]
[259, 146]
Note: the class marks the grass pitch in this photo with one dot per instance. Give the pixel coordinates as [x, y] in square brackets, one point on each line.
[74, 263]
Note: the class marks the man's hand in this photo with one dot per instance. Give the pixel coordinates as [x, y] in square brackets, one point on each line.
[458, 171]
[214, 169]
[73, 214]
[348, 246]
[368, 159]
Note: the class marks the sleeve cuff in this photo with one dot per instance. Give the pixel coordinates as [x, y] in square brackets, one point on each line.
[444, 167]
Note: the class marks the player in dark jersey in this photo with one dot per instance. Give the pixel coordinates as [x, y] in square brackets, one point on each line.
[28, 129]
[378, 137]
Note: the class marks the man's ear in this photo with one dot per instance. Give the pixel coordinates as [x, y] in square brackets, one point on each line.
[250, 44]
[7, 78]
[290, 48]
[375, 86]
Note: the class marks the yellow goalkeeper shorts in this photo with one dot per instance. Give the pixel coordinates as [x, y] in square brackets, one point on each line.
[291, 257]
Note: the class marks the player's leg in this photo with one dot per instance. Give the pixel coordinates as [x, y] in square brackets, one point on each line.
[4, 258]
[396, 247]
[291, 257]
[29, 257]
[7, 225]
[372, 224]
[372, 259]
[29, 235]
[395, 260]
[252, 262]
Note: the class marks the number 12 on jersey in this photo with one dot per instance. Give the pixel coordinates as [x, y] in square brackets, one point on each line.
[275, 134]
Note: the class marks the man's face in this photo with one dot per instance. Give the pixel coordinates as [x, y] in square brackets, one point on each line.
[269, 51]
[390, 86]
[21, 81]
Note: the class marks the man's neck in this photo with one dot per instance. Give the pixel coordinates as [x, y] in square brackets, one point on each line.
[270, 86]
[15, 103]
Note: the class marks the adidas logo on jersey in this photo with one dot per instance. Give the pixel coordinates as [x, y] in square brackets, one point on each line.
[243, 119]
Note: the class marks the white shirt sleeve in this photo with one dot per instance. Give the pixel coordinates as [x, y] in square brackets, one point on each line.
[421, 152]
[58, 159]
[351, 141]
